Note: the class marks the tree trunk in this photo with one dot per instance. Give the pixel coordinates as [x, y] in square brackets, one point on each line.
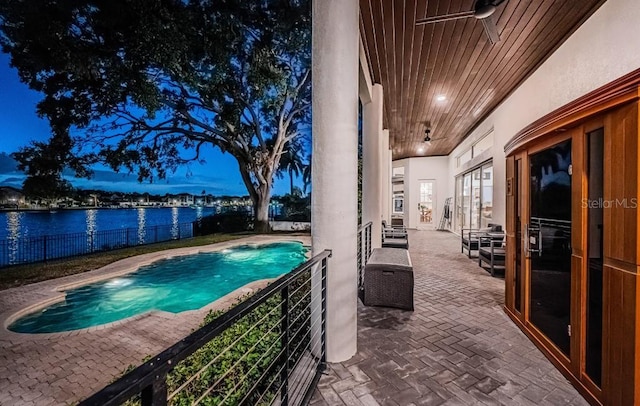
[261, 212]
[291, 181]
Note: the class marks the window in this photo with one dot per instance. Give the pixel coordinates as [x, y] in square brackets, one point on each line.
[398, 203]
[482, 145]
[474, 197]
[464, 158]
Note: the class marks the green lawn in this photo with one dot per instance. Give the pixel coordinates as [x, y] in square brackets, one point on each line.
[24, 274]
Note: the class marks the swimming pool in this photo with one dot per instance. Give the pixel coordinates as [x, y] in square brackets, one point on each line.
[173, 285]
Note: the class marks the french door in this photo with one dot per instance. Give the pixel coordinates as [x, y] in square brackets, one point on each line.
[555, 190]
[547, 243]
[426, 203]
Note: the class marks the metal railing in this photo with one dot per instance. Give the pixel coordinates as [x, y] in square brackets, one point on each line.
[48, 247]
[270, 349]
[364, 250]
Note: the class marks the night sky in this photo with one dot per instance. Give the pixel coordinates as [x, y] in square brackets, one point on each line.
[19, 125]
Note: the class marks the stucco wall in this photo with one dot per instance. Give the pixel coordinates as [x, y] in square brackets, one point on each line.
[604, 48]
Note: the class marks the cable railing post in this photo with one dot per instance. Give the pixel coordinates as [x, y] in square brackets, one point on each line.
[154, 394]
[360, 253]
[323, 332]
[368, 242]
[365, 246]
[284, 326]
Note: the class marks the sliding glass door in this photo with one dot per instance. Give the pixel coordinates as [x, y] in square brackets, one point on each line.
[474, 198]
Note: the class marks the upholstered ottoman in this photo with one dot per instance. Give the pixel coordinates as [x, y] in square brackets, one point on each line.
[388, 279]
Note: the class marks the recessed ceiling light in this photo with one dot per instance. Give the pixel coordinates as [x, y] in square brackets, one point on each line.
[441, 97]
[420, 150]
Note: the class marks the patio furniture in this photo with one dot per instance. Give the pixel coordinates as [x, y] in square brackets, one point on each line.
[492, 252]
[394, 236]
[470, 237]
[388, 279]
[397, 221]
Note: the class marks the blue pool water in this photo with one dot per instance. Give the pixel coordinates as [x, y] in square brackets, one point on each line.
[173, 285]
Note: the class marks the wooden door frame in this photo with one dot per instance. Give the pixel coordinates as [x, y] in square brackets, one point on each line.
[593, 124]
[614, 107]
[566, 361]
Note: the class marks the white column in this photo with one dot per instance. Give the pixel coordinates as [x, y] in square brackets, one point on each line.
[385, 179]
[371, 165]
[334, 200]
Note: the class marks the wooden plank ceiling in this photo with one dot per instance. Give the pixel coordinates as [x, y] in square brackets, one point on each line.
[417, 63]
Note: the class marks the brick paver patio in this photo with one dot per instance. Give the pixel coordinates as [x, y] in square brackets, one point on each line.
[456, 348]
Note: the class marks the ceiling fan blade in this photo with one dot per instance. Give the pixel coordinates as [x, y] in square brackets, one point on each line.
[491, 30]
[445, 17]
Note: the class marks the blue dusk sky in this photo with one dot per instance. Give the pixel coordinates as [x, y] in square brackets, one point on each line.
[19, 125]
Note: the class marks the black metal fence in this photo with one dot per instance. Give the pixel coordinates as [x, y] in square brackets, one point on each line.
[269, 349]
[364, 250]
[48, 247]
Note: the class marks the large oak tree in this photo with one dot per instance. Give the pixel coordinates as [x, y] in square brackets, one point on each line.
[145, 85]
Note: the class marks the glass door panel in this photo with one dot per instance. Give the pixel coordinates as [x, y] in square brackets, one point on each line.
[518, 276]
[548, 243]
[593, 361]
[466, 201]
[487, 196]
[425, 205]
[475, 198]
[459, 199]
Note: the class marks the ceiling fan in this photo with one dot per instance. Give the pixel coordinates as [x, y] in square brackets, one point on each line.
[482, 10]
[427, 134]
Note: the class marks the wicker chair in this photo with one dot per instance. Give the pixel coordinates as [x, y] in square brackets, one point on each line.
[388, 279]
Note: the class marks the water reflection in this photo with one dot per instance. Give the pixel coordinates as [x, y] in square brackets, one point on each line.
[91, 228]
[142, 225]
[175, 227]
[13, 234]
[199, 214]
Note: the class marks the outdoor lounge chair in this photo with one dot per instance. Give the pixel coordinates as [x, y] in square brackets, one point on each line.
[394, 236]
[470, 237]
[492, 252]
[388, 279]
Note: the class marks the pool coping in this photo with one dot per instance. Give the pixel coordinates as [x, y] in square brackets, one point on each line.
[41, 294]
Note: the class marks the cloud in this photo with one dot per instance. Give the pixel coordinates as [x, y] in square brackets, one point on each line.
[12, 181]
[8, 164]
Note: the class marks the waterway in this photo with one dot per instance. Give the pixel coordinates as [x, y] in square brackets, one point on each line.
[26, 224]
[32, 236]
